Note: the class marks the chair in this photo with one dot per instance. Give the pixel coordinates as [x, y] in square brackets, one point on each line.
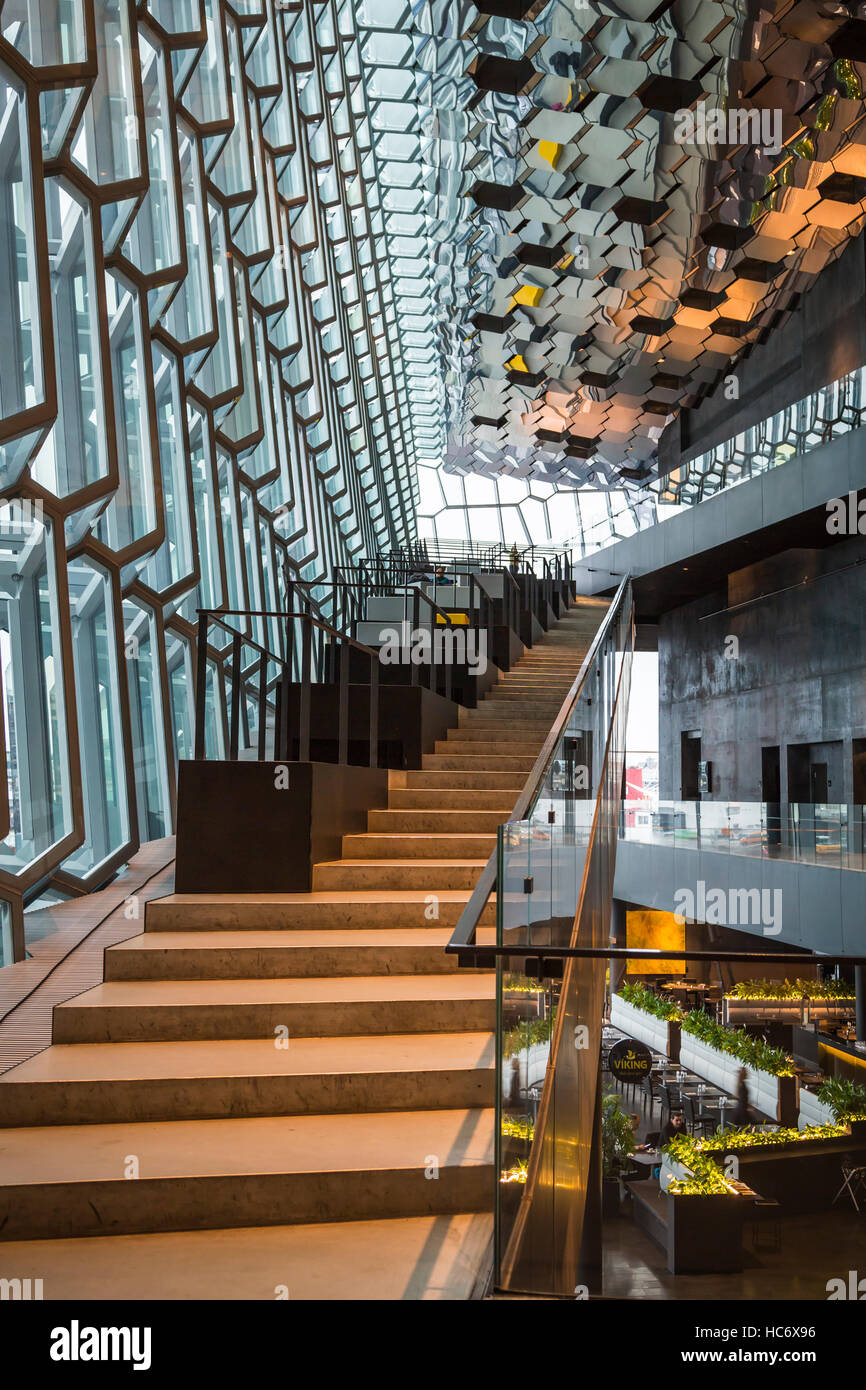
[647, 1092]
[671, 1102]
[653, 1138]
[689, 1117]
[853, 1180]
[766, 1225]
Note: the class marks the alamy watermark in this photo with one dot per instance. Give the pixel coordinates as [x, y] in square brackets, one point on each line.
[731, 907]
[20, 1290]
[846, 516]
[736, 125]
[77, 1343]
[439, 646]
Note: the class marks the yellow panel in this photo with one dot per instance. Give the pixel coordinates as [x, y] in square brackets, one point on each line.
[517, 364]
[528, 294]
[646, 930]
[549, 150]
[457, 619]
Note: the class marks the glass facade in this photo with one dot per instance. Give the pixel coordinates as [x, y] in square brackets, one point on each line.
[203, 388]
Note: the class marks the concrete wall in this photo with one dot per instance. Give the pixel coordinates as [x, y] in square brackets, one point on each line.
[798, 676]
[821, 908]
[752, 511]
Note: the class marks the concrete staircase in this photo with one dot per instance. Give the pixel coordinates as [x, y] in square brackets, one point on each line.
[294, 1064]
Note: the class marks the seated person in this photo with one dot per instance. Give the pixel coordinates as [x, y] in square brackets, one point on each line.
[675, 1127]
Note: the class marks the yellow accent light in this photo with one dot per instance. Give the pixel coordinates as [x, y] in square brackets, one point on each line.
[648, 929]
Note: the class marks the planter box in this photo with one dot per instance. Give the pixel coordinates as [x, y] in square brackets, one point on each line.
[705, 1234]
[740, 1011]
[813, 1111]
[646, 1028]
[700, 1235]
[775, 1096]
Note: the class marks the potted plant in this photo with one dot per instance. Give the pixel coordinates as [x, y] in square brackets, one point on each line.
[617, 1147]
[846, 1100]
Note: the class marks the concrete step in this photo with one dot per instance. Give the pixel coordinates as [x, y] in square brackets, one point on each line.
[273, 955]
[522, 700]
[505, 719]
[464, 762]
[73, 1181]
[428, 875]
[558, 660]
[418, 846]
[491, 747]
[501, 717]
[510, 783]
[451, 822]
[98, 1083]
[447, 798]
[424, 1257]
[141, 1011]
[558, 679]
[482, 733]
[381, 907]
[557, 668]
[538, 680]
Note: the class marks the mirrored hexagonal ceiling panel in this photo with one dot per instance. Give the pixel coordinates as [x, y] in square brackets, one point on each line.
[593, 210]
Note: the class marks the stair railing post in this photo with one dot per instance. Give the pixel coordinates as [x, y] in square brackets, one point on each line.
[343, 717]
[304, 696]
[234, 722]
[413, 669]
[201, 686]
[263, 705]
[373, 728]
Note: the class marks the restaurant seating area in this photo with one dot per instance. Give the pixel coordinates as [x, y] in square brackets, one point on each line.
[670, 1089]
[742, 1175]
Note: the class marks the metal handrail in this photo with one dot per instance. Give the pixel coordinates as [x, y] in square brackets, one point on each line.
[215, 615]
[280, 684]
[375, 584]
[463, 937]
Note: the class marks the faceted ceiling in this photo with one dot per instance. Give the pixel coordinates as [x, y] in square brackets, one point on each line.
[572, 264]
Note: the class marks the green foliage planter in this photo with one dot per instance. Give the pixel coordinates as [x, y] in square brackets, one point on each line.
[640, 1014]
[846, 1099]
[837, 1099]
[783, 1000]
[735, 1042]
[704, 1214]
[774, 990]
[799, 1169]
[718, 1053]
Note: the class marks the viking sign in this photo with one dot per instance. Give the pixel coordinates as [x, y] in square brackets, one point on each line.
[630, 1061]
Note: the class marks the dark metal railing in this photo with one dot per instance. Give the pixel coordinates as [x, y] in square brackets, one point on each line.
[414, 599]
[353, 594]
[265, 679]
